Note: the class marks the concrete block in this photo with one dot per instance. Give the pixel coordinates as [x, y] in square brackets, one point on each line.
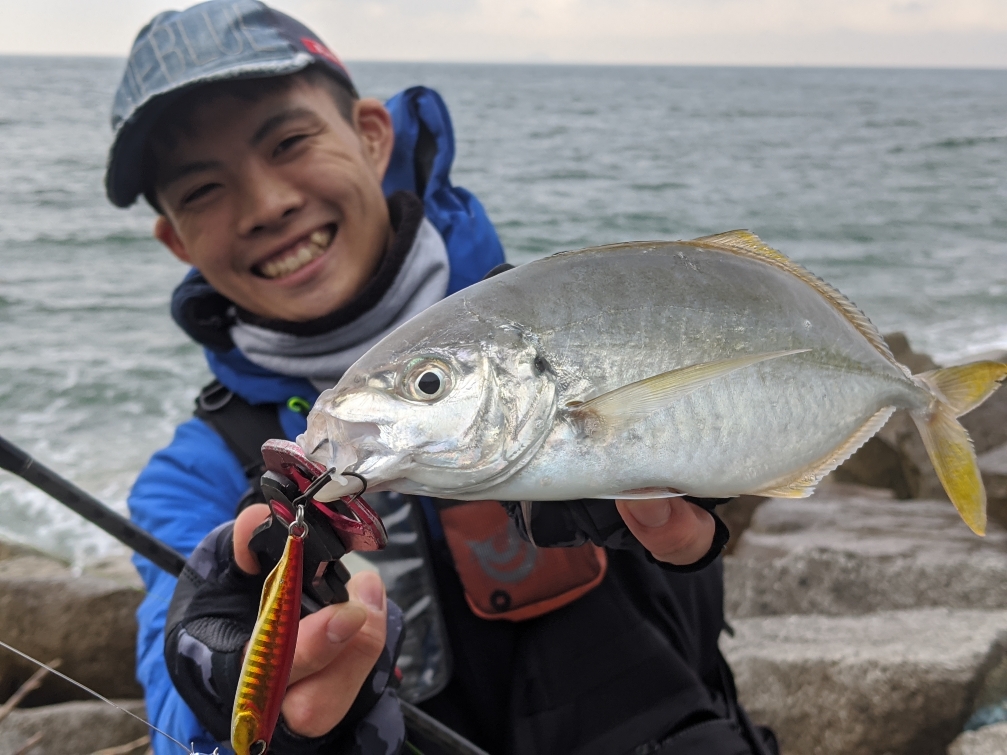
[75, 728]
[889, 683]
[849, 551]
[990, 740]
[48, 612]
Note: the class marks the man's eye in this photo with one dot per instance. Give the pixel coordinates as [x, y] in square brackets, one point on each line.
[199, 193]
[289, 142]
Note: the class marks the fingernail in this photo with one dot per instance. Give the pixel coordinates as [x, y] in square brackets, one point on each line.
[651, 513]
[345, 623]
[372, 591]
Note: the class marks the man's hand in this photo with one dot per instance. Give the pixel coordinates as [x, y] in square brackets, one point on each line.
[672, 529]
[336, 647]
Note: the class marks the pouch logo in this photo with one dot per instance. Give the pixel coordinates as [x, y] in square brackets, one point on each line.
[509, 563]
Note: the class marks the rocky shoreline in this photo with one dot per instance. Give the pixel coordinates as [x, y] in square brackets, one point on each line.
[867, 620]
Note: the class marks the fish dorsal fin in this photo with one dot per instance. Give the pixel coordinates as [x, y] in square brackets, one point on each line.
[631, 402]
[748, 244]
[743, 241]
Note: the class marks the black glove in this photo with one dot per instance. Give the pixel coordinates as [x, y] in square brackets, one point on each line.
[572, 523]
[210, 620]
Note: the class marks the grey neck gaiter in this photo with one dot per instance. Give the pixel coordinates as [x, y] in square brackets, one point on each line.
[323, 358]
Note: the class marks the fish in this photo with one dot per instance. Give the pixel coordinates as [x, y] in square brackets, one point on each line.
[714, 367]
[269, 657]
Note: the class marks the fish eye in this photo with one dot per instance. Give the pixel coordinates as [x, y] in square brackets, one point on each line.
[427, 381]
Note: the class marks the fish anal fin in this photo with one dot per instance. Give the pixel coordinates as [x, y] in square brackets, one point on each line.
[748, 244]
[631, 402]
[950, 450]
[966, 386]
[806, 481]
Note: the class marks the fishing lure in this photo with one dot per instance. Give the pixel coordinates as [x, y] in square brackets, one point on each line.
[266, 668]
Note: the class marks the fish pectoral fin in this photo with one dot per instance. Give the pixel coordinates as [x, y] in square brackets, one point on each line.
[637, 400]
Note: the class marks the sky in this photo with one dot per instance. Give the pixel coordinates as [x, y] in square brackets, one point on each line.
[913, 33]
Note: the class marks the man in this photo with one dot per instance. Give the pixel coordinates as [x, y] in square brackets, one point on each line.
[277, 184]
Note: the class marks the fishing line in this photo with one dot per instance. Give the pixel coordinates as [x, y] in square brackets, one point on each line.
[90, 691]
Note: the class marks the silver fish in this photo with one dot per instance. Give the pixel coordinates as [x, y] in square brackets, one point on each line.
[712, 367]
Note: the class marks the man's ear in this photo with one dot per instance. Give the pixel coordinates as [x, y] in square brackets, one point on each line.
[164, 232]
[373, 123]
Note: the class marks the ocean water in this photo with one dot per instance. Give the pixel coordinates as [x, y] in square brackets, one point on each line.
[891, 184]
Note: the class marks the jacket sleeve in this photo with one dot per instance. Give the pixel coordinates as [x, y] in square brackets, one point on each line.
[186, 490]
[565, 524]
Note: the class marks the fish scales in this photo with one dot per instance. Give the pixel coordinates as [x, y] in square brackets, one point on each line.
[715, 367]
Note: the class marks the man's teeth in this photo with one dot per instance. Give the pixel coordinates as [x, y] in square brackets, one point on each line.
[293, 261]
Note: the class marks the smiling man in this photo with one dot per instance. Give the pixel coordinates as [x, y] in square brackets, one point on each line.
[315, 222]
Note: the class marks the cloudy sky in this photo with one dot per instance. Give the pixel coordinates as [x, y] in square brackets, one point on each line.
[959, 33]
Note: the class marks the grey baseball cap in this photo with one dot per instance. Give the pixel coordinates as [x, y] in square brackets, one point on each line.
[178, 50]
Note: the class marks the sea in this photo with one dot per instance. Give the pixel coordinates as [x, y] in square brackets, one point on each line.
[890, 184]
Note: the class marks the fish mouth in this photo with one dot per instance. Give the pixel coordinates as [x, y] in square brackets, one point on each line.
[297, 255]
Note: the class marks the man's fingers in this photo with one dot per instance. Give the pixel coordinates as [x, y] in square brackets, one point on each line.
[318, 701]
[672, 529]
[322, 636]
[244, 525]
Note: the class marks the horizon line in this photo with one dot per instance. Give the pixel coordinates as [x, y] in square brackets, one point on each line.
[584, 64]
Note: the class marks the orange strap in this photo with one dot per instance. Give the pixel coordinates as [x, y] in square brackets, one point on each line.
[506, 577]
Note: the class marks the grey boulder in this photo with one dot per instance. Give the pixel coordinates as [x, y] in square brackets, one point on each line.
[990, 740]
[75, 728]
[899, 682]
[48, 612]
[853, 550]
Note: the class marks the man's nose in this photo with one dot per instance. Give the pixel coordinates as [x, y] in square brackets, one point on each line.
[268, 200]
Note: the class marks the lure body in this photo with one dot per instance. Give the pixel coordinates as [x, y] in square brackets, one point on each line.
[266, 668]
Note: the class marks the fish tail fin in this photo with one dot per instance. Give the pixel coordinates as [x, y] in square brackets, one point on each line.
[964, 387]
[957, 390]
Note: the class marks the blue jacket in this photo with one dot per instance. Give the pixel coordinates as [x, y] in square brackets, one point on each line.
[195, 483]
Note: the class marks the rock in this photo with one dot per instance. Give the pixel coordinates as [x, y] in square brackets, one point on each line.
[117, 568]
[849, 551]
[989, 740]
[903, 353]
[76, 728]
[47, 612]
[737, 515]
[9, 550]
[987, 425]
[993, 465]
[894, 682]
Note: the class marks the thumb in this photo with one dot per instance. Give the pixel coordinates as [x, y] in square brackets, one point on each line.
[244, 526]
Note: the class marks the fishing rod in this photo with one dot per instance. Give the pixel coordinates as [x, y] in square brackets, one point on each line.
[16, 460]
[20, 463]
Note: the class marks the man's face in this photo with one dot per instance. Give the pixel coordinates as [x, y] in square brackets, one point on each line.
[278, 202]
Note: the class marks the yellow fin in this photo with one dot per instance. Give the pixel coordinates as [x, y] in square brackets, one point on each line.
[805, 484]
[743, 241]
[954, 459]
[966, 386]
[645, 396]
[748, 244]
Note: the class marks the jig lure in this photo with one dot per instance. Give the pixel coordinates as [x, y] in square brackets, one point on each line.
[270, 655]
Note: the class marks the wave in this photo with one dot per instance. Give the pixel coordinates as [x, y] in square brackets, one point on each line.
[967, 141]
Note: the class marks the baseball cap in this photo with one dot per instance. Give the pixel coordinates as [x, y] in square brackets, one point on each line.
[178, 50]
